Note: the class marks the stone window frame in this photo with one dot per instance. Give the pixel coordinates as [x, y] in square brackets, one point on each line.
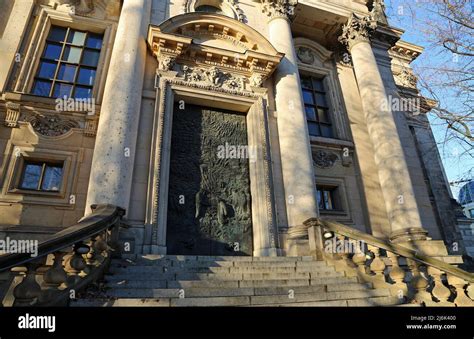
[343, 214]
[335, 110]
[13, 170]
[321, 65]
[48, 17]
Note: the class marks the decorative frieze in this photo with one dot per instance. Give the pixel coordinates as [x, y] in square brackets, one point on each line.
[357, 29]
[212, 77]
[279, 8]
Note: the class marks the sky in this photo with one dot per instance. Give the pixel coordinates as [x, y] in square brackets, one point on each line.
[457, 167]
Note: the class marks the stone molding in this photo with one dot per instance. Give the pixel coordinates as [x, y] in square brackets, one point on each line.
[357, 29]
[279, 8]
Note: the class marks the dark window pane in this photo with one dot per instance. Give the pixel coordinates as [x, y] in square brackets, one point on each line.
[61, 90]
[321, 100]
[313, 129]
[86, 76]
[306, 82]
[42, 88]
[52, 178]
[52, 51]
[94, 41]
[318, 85]
[47, 69]
[323, 115]
[310, 113]
[320, 200]
[308, 97]
[57, 33]
[67, 72]
[82, 92]
[76, 38]
[72, 54]
[90, 58]
[31, 176]
[326, 131]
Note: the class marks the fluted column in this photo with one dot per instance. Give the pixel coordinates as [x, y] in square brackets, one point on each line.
[296, 158]
[394, 176]
[114, 153]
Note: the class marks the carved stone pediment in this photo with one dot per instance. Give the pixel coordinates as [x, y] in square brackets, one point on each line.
[190, 39]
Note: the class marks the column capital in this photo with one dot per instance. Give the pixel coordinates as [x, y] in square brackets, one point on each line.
[357, 29]
[279, 8]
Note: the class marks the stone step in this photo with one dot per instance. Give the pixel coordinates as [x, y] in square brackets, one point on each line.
[219, 270]
[124, 302]
[221, 276]
[240, 264]
[319, 296]
[222, 292]
[219, 258]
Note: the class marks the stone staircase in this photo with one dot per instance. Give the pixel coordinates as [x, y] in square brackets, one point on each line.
[154, 280]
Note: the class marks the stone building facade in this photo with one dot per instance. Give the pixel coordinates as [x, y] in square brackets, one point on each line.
[95, 94]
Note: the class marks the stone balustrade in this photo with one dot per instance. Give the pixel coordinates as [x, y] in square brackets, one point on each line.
[66, 264]
[411, 276]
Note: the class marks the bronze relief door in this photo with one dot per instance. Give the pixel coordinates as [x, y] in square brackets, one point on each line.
[209, 202]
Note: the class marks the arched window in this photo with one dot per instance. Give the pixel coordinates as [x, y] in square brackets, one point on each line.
[209, 9]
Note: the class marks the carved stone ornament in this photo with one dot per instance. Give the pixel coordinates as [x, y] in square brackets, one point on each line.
[257, 80]
[52, 125]
[12, 114]
[166, 63]
[212, 77]
[324, 159]
[305, 55]
[378, 12]
[357, 29]
[406, 78]
[80, 7]
[279, 8]
[189, 6]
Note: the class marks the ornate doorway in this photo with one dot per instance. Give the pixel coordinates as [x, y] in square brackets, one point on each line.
[209, 203]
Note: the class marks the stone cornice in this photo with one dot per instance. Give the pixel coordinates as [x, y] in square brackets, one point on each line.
[357, 29]
[406, 51]
[279, 8]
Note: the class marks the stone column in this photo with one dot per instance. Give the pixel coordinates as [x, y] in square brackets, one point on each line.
[114, 153]
[295, 148]
[394, 176]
